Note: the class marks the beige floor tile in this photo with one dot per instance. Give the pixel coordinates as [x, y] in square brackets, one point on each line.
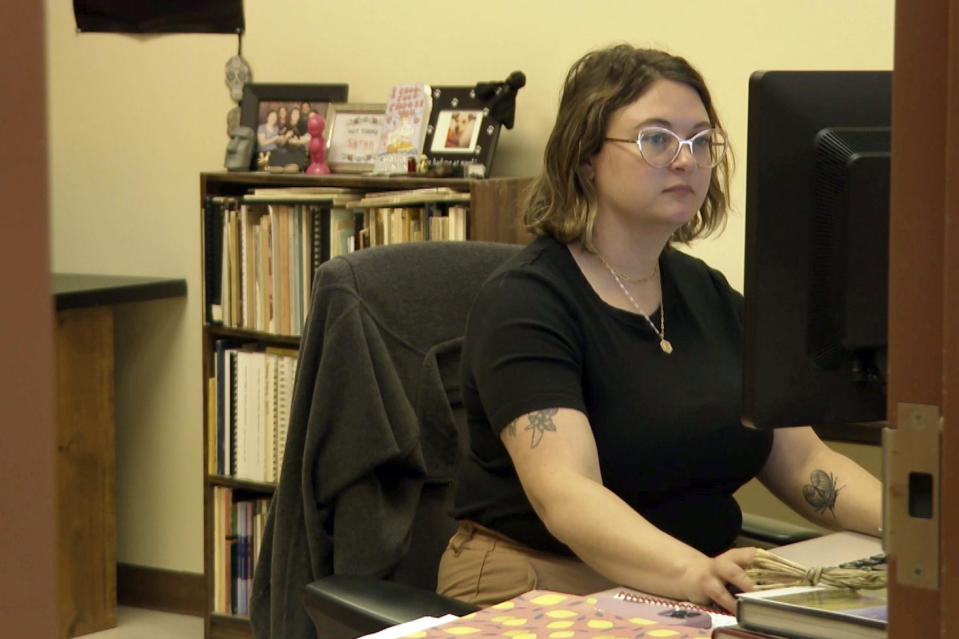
[139, 623]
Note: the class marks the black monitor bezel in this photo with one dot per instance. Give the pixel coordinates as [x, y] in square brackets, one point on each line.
[782, 385]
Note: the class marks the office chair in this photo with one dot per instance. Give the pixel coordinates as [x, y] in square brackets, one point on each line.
[353, 546]
[375, 435]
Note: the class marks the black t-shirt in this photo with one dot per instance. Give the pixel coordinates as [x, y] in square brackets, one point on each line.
[667, 427]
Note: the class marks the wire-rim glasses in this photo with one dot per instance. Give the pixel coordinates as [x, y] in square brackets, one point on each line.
[660, 147]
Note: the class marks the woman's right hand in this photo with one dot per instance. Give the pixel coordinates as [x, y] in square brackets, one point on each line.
[707, 579]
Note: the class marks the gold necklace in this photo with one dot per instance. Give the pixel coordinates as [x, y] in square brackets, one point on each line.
[633, 279]
[663, 342]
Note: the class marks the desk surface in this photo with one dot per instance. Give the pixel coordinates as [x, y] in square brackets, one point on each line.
[78, 290]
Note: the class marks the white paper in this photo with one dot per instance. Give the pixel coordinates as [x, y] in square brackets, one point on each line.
[402, 629]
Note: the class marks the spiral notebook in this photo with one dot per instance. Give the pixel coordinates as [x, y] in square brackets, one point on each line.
[544, 613]
[627, 603]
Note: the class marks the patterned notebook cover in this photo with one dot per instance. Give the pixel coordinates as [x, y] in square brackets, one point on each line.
[543, 614]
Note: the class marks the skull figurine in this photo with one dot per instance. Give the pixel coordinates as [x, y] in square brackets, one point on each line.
[237, 74]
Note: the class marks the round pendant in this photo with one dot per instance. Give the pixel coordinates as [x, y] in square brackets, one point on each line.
[665, 345]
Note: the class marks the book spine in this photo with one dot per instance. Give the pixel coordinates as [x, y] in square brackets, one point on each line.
[231, 440]
[219, 366]
[306, 261]
[231, 546]
[218, 549]
[213, 257]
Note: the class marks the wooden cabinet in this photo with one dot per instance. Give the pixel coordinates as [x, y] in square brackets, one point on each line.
[249, 345]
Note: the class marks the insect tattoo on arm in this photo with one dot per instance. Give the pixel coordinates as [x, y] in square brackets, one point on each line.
[540, 421]
[821, 491]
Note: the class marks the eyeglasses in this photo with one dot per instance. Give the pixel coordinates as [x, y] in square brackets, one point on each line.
[660, 147]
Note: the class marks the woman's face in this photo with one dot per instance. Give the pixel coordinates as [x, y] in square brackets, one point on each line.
[627, 186]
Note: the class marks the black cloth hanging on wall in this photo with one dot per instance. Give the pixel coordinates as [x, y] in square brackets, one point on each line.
[159, 16]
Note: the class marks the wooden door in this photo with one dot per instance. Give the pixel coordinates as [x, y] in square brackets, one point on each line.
[28, 541]
[924, 296]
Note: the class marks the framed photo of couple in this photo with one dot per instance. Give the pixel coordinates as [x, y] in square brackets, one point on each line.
[460, 129]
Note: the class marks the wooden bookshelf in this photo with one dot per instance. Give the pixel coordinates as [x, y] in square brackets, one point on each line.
[493, 206]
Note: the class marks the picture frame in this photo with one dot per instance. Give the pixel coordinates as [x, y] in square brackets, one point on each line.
[354, 131]
[279, 149]
[460, 131]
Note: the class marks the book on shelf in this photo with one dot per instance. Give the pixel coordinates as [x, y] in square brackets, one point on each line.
[225, 373]
[342, 231]
[458, 222]
[448, 224]
[253, 392]
[284, 374]
[412, 196]
[238, 522]
[329, 194]
[270, 399]
[270, 252]
[211, 425]
[221, 259]
[547, 613]
[213, 256]
[274, 191]
[232, 288]
[815, 612]
[231, 401]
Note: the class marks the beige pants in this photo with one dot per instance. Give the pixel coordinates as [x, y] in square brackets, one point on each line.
[485, 567]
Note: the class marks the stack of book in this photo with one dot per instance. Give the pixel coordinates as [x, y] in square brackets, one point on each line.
[813, 612]
[432, 213]
[262, 249]
[816, 612]
[238, 523]
[251, 392]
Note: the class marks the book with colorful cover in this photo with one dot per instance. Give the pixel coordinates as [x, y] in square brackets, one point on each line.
[545, 613]
[406, 118]
[407, 114]
[815, 612]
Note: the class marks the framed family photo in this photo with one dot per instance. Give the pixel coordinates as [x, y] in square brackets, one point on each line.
[460, 129]
[278, 114]
[353, 136]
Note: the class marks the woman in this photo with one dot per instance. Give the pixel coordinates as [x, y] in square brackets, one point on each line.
[602, 367]
[268, 133]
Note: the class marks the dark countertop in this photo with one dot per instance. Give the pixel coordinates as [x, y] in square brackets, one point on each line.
[78, 290]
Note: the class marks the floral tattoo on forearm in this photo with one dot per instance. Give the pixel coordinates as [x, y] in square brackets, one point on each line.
[821, 491]
[539, 422]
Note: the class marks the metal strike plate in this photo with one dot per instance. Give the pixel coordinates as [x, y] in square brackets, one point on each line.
[911, 494]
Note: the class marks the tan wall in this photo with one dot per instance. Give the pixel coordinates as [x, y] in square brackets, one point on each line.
[133, 120]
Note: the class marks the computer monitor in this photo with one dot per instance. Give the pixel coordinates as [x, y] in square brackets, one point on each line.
[817, 220]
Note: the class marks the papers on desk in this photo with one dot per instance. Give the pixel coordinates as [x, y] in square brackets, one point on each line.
[403, 629]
